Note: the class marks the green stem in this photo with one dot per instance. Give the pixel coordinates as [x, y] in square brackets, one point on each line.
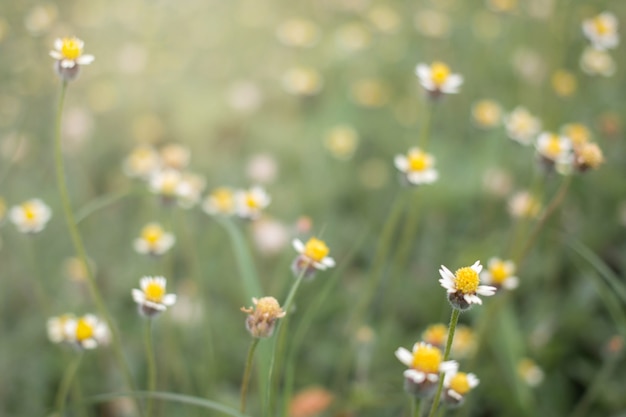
[246, 375]
[78, 243]
[415, 407]
[66, 383]
[150, 359]
[426, 123]
[446, 354]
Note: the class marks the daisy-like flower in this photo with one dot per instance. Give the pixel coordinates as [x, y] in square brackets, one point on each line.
[564, 83]
[425, 363]
[587, 156]
[456, 385]
[530, 372]
[486, 114]
[553, 149]
[342, 141]
[500, 274]
[142, 162]
[262, 317]
[221, 201]
[417, 167]
[521, 126]
[31, 216]
[87, 332]
[464, 343]
[175, 156]
[601, 31]
[596, 62]
[523, 205]
[463, 286]
[57, 328]
[153, 240]
[250, 203]
[151, 298]
[436, 335]
[190, 189]
[69, 55]
[166, 183]
[313, 256]
[438, 79]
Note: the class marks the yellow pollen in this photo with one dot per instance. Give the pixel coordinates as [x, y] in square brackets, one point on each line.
[439, 73]
[601, 27]
[460, 384]
[268, 306]
[30, 211]
[71, 48]
[154, 292]
[316, 249]
[498, 272]
[223, 199]
[418, 160]
[252, 202]
[427, 359]
[84, 330]
[152, 233]
[466, 280]
[553, 147]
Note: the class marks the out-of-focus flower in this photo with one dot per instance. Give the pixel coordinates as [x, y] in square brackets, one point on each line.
[530, 373]
[500, 274]
[502, 6]
[521, 126]
[610, 124]
[245, 96]
[341, 141]
[87, 332]
[74, 269]
[554, 148]
[298, 32]
[417, 167]
[384, 18]
[151, 298]
[69, 56]
[497, 182]
[40, 18]
[220, 201]
[456, 385]
[77, 126]
[270, 236]
[310, 402]
[432, 24]
[190, 189]
[302, 81]
[601, 31]
[57, 328]
[436, 335]
[529, 65]
[132, 58]
[153, 240]
[313, 256]
[262, 317]
[166, 183]
[464, 343]
[438, 79]
[250, 203]
[304, 225]
[486, 113]
[523, 205]
[587, 156]
[425, 364]
[564, 83]
[31, 216]
[370, 92]
[597, 62]
[262, 168]
[374, 173]
[463, 287]
[3, 209]
[175, 156]
[578, 133]
[353, 37]
[142, 162]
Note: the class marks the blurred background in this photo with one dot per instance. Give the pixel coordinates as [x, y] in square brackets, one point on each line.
[312, 100]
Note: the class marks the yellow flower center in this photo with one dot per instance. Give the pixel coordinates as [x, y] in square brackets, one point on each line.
[316, 249]
[498, 272]
[252, 201]
[154, 292]
[460, 384]
[436, 334]
[467, 280]
[30, 212]
[439, 73]
[71, 48]
[268, 306]
[223, 199]
[152, 233]
[553, 147]
[427, 359]
[418, 161]
[169, 185]
[578, 133]
[84, 330]
[601, 27]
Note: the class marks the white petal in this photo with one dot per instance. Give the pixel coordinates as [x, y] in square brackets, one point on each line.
[169, 299]
[89, 344]
[510, 283]
[423, 71]
[58, 44]
[67, 63]
[140, 246]
[56, 55]
[486, 290]
[446, 273]
[404, 356]
[298, 245]
[85, 59]
[449, 367]
[138, 296]
[329, 262]
[401, 162]
[477, 267]
[472, 380]
[432, 377]
[415, 375]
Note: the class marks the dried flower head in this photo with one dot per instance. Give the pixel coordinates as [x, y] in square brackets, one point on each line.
[175, 156]
[262, 317]
[417, 167]
[69, 56]
[31, 216]
[425, 364]
[463, 286]
[153, 240]
[588, 156]
[152, 298]
[313, 256]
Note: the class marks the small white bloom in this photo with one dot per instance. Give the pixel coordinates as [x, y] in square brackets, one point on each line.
[463, 287]
[152, 298]
[437, 78]
[250, 203]
[597, 62]
[31, 216]
[417, 166]
[153, 240]
[220, 201]
[314, 252]
[69, 56]
[87, 332]
[554, 147]
[142, 162]
[457, 385]
[521, 126]
[601, 30]
[500, 273]
[425, 363]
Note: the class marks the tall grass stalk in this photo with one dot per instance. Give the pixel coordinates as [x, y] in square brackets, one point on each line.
[454, 318]
[151, 362]
[246, 374]
[66, 383]
[78, 243]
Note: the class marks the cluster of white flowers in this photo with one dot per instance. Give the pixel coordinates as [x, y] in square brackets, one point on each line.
[601, 31]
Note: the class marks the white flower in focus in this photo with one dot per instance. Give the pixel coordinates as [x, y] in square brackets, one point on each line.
[31, 216]
[250, 203]
[521, 126]
[597, 62]
[152, 298]
[601, 31]
[314, 253]
[500, 273]
[69, 55]
[87, 332]
[417, 167]
[425, 363]
[438, 78]
[153, 240]
[463, 286]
